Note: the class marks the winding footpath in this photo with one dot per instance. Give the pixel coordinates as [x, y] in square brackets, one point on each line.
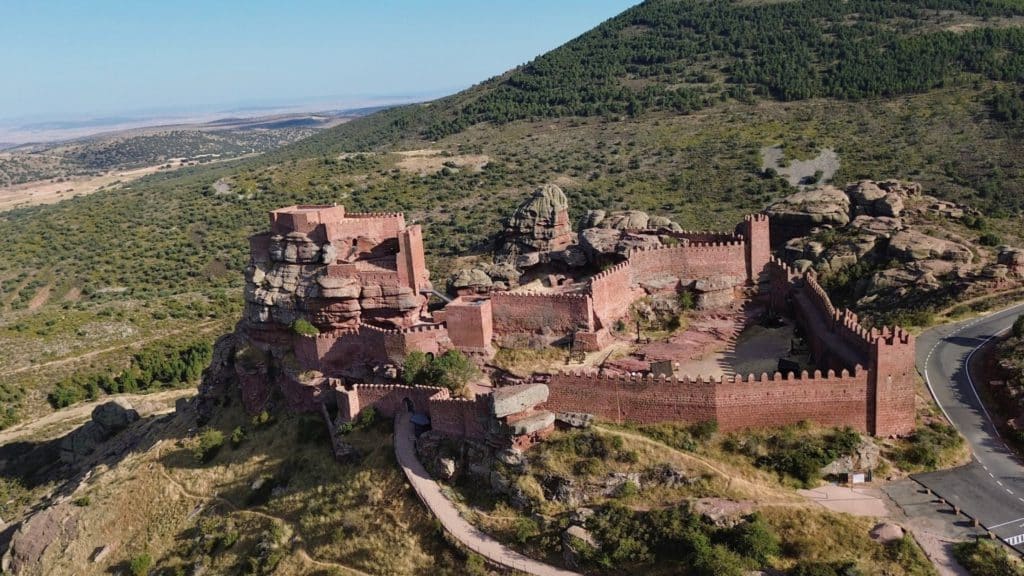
[446, 512]
[990, 489]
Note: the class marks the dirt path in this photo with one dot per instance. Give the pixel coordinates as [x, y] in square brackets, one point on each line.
[448, 515]
[198, 328]
[83, 411]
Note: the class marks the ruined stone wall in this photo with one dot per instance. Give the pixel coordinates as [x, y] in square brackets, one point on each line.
[530, 313]
[459, 417]
[453, 417]
[691, 262]
[735, 403]
[336, 352]
[612, 294]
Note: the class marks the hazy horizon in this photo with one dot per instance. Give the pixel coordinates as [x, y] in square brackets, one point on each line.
[70, 62]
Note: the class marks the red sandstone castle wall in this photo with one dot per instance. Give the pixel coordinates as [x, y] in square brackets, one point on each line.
[470, 323]
[836, 339]
[380, 226]
[631, 399]
[453, 417]
[690, 262]
[756, 232]
[830, 400]
[529, 313]
[893, 379]
[412, 268]
[459, 417]
[612, 294]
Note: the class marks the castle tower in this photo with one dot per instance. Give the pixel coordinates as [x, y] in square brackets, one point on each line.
[891, 384]
[755, 232]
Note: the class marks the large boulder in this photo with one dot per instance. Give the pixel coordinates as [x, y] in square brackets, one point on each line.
[115, 415]
[539, 224]
[603, 244]
[1013, 259]
[910, 245]
[799, 213]
[510, 400]
[865, 457]
[471, 279]
[720, 512]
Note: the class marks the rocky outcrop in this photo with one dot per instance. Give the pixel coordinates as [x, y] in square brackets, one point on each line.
[1013, 259]
[470, 281]
[627, 220]
[720, 512]
[799, 213]
[865, 457]
[55, 526]
[540, 224]
[281, 293]
[911, 245]
[108, 419]
[602, 245]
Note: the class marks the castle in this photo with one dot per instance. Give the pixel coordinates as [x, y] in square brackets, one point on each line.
[335, 299]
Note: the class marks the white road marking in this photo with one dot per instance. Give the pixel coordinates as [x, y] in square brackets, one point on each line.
[1004, 524]
[1015, 540]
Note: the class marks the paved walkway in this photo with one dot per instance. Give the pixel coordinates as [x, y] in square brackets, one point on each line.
[442, 509]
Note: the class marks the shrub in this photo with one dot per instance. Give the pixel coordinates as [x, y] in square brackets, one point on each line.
[139, 565]
[627, 489]
[718, 560]
[82, 501]
[237, 436]
[303, 327]
[986, 558]
[367, 417]
[990, 239]
[525, 529]
[755, 540]
[926, 445]
[1018, 327]
[262, 419]
[207, 445]
[806, 568]
[451, 370]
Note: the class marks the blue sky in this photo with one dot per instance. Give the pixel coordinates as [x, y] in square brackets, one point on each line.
[72, 59]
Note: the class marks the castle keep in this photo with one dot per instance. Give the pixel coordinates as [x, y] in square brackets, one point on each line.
[334, 300]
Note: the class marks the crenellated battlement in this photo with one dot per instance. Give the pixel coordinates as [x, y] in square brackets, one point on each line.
[533, 295]
[620, 267]
[763, 378]
[374, 215]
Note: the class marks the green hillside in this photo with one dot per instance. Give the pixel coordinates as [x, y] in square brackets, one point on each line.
[663, 108]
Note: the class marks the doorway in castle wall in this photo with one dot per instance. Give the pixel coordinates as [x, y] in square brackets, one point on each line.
[408, 405]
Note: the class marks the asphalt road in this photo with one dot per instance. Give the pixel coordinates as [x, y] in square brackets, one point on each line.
[990, 488]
